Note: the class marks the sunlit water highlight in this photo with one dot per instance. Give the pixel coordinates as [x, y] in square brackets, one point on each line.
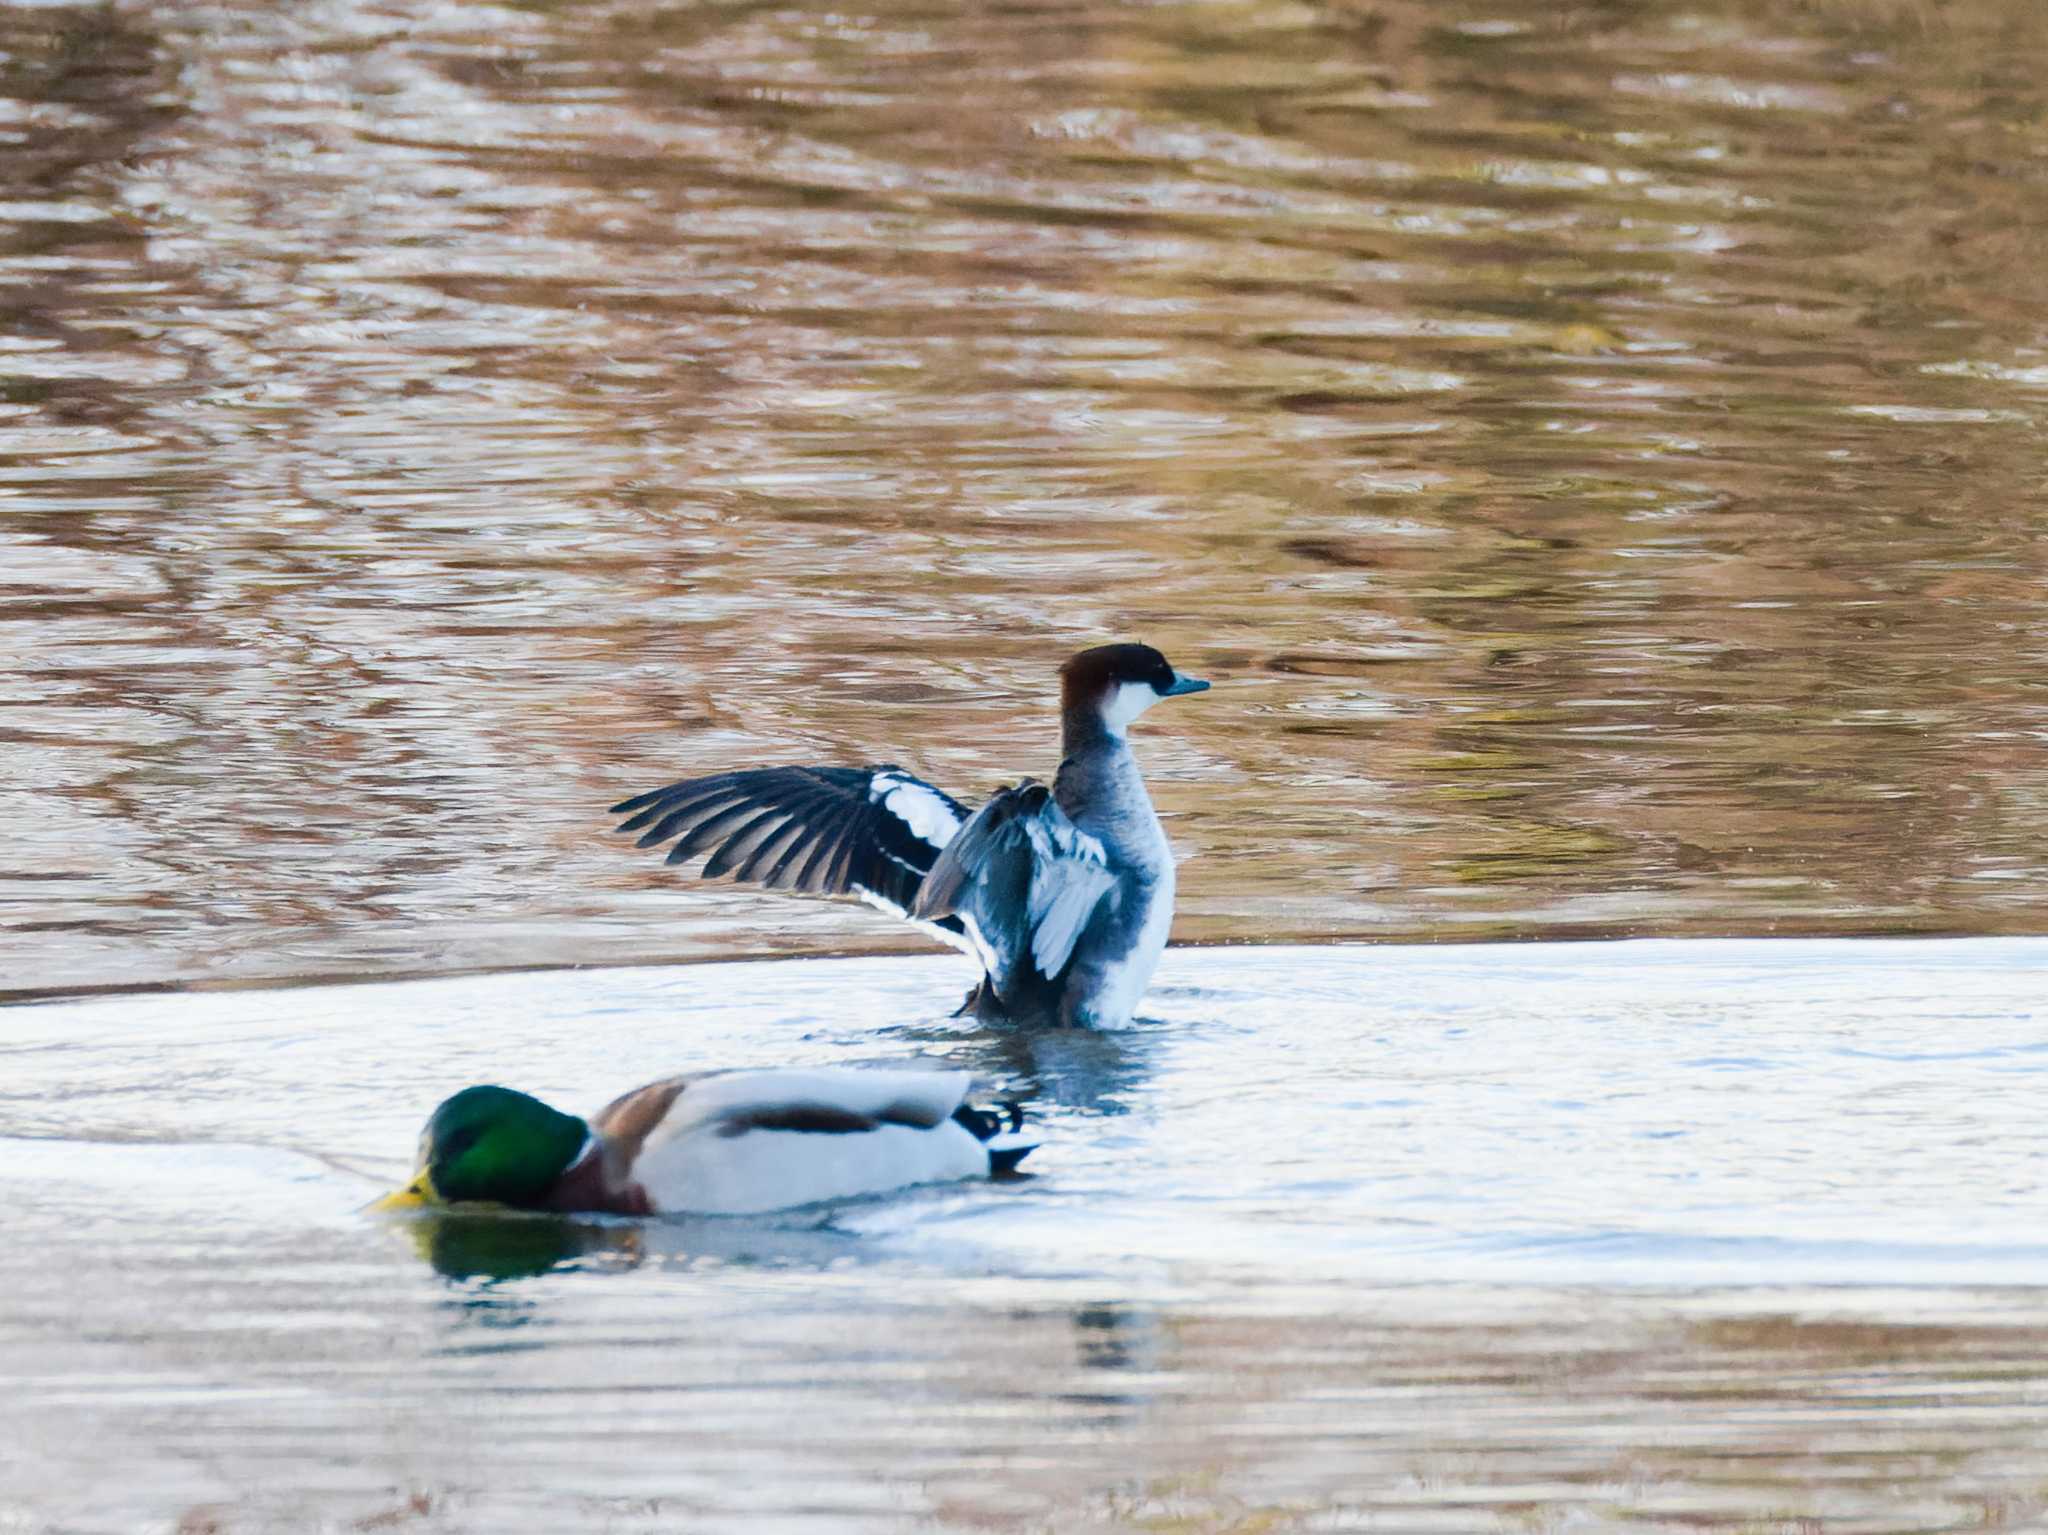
[1621, 1236]
[1595, 448]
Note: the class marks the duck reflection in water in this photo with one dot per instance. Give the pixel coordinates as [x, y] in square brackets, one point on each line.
[1119, 1345]
[498, 1245]
[492, 1247]
[1088, 1071]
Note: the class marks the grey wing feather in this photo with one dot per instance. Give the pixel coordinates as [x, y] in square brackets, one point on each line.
[871, 832]
[1022, 879]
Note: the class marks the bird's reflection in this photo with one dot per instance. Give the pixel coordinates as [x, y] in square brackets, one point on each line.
[1114, 1335]
[1080, 1069]
[489, 1247]
[1089, 1071]
[1117, 1348]
[502, 1244]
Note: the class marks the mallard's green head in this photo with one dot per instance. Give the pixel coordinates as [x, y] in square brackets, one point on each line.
[490, 1143]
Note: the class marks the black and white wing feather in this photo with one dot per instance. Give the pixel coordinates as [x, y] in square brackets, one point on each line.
[872, 832]
[1023, 880]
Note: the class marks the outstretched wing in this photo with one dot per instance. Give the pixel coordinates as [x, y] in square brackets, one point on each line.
[873, 832]
[1023, 879]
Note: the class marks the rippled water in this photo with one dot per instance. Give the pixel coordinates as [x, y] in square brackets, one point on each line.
[1660, 1236]
[1598, 448]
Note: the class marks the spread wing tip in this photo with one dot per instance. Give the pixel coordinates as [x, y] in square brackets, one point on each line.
[870, 831]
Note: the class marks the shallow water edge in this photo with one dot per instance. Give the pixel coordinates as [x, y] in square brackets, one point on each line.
[1660, 1236]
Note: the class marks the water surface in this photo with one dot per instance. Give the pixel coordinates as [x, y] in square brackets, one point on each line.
[1596, 448]
[1660, 1236]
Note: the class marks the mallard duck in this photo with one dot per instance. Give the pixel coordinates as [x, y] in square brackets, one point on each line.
[1064, 894]
[714, 1143]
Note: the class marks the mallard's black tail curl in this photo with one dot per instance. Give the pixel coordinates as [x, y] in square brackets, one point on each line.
[986, 1124]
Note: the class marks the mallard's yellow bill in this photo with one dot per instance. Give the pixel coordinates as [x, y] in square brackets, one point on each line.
[416, 1195]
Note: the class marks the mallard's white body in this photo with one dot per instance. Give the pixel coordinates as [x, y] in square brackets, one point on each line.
[709, 1155]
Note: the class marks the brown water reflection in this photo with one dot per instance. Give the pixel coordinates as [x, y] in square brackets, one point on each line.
[1596, 447]
[1454, 1411]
